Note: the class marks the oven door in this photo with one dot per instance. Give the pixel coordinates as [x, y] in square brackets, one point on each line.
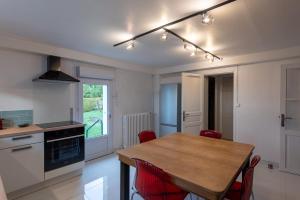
[63, 151]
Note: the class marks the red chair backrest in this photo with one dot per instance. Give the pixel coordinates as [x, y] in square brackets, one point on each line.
[150, 181]
[247, 181]
[146, 136]
[211, 134]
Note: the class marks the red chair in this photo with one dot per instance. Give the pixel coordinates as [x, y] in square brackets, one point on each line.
[146, 136]
[152, 183]
[211, 134]
[243, 190]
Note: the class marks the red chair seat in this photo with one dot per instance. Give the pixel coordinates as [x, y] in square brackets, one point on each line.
[234, 192]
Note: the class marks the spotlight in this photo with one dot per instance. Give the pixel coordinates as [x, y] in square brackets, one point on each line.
[207, 19]
[209, 57]
[188, 47]
[193, 53]
[185, 46]
[164, 36]
[130, 45]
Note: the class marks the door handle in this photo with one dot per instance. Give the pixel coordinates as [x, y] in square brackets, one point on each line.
[283, 119]
[183, 117]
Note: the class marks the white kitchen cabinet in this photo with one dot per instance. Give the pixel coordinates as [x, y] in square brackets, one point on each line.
[22, 166]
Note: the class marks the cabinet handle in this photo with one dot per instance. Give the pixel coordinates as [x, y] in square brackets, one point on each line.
[21, 148]
[22, 137]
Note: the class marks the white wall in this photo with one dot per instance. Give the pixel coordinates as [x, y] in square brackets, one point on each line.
[257, 119]
[132, 91]
[134, 94]
[17, 91]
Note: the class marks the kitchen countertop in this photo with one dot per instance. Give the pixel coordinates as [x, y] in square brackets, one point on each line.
[2, 191]
[16, 131]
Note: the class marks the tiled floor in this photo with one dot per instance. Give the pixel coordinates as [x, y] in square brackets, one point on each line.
[100, 181]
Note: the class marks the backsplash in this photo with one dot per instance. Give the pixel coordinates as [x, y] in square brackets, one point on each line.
[16, 117]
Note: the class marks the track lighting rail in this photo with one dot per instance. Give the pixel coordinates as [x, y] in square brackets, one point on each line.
[193, 44]
[176, 21]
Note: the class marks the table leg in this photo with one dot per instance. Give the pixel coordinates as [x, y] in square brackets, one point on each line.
[124, 181]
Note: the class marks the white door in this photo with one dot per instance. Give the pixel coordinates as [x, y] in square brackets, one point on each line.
[94, 109]
[290, 119]
[191, 103]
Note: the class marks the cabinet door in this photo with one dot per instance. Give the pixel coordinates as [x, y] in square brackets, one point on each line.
[22, 166]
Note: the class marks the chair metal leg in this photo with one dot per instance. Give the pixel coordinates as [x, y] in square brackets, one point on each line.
[252, 194]
[132, 195]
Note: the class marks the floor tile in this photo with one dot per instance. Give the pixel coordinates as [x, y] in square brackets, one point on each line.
[100, 181]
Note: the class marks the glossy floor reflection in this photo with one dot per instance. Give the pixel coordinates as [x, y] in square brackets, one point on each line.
[100, 181]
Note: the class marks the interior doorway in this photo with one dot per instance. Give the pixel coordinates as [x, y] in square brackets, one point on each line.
[218, 104]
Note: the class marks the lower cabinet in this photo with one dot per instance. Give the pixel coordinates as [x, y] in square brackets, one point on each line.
[22, 166]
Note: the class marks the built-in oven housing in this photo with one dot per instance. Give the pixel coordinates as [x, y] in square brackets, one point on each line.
[63, 147]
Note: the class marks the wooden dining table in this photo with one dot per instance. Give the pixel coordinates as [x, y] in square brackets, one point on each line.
[204, 166]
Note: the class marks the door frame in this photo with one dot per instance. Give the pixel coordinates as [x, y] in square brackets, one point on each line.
[236, 104]
[282, 165]
[109, 136]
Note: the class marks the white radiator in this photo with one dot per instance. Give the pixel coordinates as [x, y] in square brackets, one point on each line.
[133, 124]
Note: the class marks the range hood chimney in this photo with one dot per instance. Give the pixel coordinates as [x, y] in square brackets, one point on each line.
[54, 74]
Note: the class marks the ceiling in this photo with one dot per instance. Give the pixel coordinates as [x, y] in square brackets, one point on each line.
[93, 26]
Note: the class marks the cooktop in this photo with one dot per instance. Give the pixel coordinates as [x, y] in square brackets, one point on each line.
[57, 124]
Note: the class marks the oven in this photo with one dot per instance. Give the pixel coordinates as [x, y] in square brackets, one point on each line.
[63, 147]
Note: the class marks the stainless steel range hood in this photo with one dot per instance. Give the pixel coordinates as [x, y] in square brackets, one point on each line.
[53, 74]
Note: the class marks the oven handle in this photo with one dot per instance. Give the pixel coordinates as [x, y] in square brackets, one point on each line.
[65, 138]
